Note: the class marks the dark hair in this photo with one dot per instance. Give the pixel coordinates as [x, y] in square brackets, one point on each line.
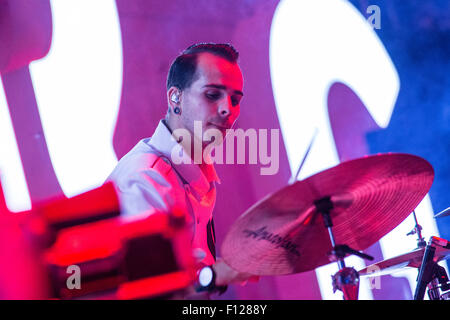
[182, 71]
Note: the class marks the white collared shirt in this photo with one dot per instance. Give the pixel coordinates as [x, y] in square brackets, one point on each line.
[147, 181]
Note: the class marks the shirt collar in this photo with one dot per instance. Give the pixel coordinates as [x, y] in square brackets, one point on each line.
[163, 141]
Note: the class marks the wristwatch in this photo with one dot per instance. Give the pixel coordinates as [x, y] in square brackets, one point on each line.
[206, 281]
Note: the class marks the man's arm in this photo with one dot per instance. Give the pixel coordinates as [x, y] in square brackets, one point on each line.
[146, 183]
[227, 275]
[152, 188]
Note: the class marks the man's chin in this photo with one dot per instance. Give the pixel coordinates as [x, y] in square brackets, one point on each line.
[214, 130]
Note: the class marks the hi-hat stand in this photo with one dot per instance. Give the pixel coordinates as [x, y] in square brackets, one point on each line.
[347, 278]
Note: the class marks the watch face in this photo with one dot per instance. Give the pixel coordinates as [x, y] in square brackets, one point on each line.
[205, 276]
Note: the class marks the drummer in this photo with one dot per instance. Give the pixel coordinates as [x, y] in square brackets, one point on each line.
[204, 90]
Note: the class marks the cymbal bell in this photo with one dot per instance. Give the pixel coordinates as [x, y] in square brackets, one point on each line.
[283, 233]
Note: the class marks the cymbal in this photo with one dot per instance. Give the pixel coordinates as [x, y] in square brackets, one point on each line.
[283, 233]
[411, 259]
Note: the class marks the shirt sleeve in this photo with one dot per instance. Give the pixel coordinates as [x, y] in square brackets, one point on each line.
[146, 186]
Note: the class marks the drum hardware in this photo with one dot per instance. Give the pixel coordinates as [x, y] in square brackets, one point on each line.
[421, 243]
[411, 259]
[425, 258]
[439, 283]
[346, 279]
[430, 270]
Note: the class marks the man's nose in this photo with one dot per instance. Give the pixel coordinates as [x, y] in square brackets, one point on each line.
[225, 107]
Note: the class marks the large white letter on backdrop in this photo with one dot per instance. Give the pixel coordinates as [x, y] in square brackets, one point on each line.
[78, 87]
[312, 45]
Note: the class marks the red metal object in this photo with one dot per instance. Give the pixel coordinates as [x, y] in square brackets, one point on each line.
[97, 204]
[155, 286]
[112, 253]
[102, 251]
[22, 273]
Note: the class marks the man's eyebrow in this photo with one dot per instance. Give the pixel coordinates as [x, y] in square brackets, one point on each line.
[219, 86]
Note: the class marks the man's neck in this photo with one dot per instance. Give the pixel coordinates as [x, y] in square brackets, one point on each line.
[187, 145]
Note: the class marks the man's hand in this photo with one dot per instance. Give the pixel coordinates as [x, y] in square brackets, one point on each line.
[226, 275]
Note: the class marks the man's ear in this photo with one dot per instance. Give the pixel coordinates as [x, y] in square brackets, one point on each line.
[174, 97]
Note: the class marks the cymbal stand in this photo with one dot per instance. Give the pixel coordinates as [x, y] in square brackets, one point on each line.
[346, 279]
[417, 230]
[430, 273]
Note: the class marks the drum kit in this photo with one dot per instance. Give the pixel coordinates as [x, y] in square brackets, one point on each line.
[336, 213]
[307, 224]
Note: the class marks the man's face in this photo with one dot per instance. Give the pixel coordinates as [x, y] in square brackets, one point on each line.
[214, 96]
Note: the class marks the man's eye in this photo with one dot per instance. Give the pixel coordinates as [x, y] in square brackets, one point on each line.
[213, 96]
[234, 101]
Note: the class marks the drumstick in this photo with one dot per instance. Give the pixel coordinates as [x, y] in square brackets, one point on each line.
[293, 179]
